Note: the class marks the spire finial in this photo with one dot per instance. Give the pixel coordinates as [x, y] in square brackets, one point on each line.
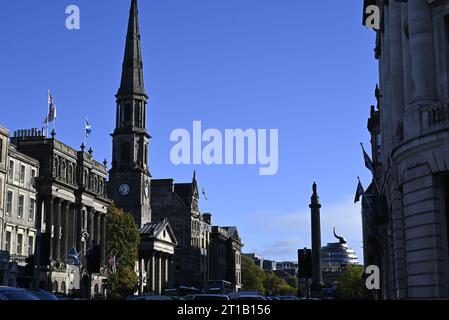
[132, 70]
[314, 188]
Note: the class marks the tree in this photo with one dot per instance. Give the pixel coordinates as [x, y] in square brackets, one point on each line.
[252, 276]
[122, 239]
[351, 285]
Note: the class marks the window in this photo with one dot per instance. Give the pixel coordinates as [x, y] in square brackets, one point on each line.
[30, 245]
[32, 209]
[1, 150]
[9, 203]
[8, 241]
[33, 178]
[22, 174]
[128, 114]
[70, 174]
[19, 244]
[125, 152]
[11, 169]
[20, 206]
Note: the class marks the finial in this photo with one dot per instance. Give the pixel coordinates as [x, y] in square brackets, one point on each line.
[83, 147]
[90, 151]
[53, 133]
[194, 174]
[314, 188]
[105, 162]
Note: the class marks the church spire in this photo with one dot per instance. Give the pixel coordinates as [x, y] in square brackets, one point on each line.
[132, 70]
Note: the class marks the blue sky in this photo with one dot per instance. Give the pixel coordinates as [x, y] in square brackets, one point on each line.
[303, 67]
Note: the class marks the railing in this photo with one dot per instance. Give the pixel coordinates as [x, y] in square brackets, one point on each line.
[436, 115]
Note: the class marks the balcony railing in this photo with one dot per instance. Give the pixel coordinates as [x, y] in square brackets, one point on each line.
[436, 115]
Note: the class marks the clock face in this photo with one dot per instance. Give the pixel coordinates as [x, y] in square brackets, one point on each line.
[124, 189]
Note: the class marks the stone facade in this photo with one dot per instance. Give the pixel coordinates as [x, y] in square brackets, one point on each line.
[20, 211]
[178, 203]
[225, 256]
[4, 138]
[406, 217]
[71, 209]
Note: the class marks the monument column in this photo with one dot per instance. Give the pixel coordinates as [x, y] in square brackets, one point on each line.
[317, 276]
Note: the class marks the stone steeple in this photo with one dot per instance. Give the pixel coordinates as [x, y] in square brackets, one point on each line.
[132, 70]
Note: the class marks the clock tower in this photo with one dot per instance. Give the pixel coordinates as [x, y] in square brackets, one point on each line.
[129, 176]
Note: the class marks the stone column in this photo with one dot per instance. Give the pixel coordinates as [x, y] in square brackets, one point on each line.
[65, 230]
[317, 276]
[103, 238]
[422, 51]
[97, 228]
[170, 272]
[396, 68]
[57, 231]
[421, 45]
[90, 226]
[79, 227]
[166, 269]
[151, 273]
[71, 227]
[158, 274]
[49, 221]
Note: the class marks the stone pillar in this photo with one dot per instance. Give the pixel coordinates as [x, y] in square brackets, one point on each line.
[170, 272]
[421, 45]
[71, 227]
[90, 225]
[65, 230]
[317, 276]
[396, 68]
[49, 227]
[79, 227]
[98, 228]
[422, 52]
[158, 274]
[166, 269]
[386, 108]
[57, 231]
[103, 238]
[152, 272]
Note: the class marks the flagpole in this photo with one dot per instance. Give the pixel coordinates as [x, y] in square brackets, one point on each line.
[48, 112]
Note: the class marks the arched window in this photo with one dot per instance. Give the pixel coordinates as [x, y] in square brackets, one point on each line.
[146, 154]
[63, 173]
[128, 114]
[55, 287]
[86, 178]
[55, 167]
[125, 152]
[95, 187]
[101, 187]
[96, 289]
[70, 174]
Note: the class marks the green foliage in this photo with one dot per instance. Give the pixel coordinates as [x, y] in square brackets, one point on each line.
[252, 276]
[351, 285]
[122, 237]
[255, 279]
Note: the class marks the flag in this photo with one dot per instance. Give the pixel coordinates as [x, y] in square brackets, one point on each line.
[204, 193]
[360, 192]
[51, 109]
[368, 163]
[73, 258]
[87, 128]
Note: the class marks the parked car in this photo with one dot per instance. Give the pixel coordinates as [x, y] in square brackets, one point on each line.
[288, 298]
[9, 293]
[42, 294]
[250, 297]
[148, 298]
[206, 297]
